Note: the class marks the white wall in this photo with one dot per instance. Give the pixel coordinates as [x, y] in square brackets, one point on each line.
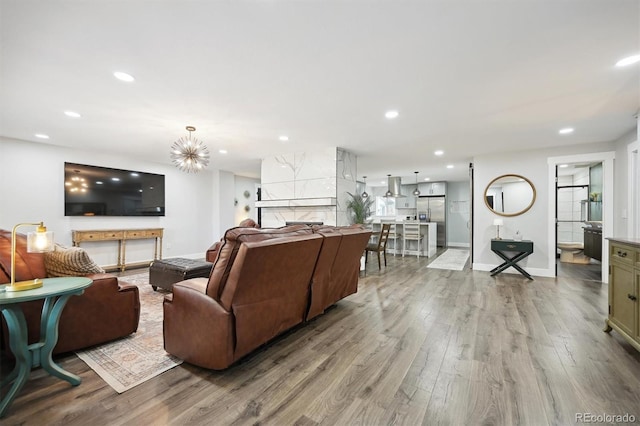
[32, 190]
[534, 223]
[243, 184]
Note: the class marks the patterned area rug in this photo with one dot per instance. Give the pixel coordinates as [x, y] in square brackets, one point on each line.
[454, 259]
[127, 362]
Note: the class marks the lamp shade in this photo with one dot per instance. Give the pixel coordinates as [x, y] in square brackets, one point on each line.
[40, 241]
[498, 222]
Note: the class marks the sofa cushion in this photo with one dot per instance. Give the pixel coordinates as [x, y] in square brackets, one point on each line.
[69, 262]
[231, 243]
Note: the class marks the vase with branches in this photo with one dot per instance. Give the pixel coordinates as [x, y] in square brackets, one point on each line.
[359, 208]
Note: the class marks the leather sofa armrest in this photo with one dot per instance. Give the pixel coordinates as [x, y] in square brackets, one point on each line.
[111, 281]
[107, 310]
[196, 328]
[111, 308]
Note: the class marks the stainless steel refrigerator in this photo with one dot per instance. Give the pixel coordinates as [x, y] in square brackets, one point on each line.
[434, 209]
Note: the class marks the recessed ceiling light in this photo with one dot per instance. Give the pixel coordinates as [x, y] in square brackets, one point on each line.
[41, 136]
[427, 179]
[72, 114]
[566, 130]
[134, 174]
[223, 151]
[123, 76]
[563, 165]
[391, 114]
[98, 182]
[284, 138]
[115, 179]
[449, 166]
[629, 60]
[438, 152]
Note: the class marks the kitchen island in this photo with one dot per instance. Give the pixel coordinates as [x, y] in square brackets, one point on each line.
[429, 231]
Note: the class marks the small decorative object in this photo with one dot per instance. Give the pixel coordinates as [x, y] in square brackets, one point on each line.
[189, 154]
[416, 192]
[498, 223]
[246, 194]
[518, 236]
[40, 241]
[247, 208]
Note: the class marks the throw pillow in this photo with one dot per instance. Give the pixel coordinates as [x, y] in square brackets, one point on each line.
[69, 262]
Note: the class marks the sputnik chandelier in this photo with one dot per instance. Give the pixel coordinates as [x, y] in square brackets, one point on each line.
[189, 154]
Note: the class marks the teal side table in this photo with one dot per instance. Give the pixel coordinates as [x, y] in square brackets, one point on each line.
[55, 292]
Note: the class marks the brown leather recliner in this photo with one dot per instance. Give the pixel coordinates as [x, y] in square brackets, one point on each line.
[107, 309]
[258, 288]
[263, 282]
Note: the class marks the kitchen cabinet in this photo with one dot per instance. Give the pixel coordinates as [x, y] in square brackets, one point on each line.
[624, 289]
[409, 200]
[432, 188]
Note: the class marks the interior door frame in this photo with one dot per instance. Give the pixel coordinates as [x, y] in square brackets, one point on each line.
[471, 195]
[607, 160]
[633, 228]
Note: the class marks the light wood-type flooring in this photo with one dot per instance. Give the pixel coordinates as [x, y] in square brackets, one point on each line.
[413, 346]
[591, 271]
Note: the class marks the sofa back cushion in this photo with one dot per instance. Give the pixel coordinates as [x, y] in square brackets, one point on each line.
[322, 274]
[268, 287]
[28, 265]
[346, 268]
[337, 271]
[231, 243]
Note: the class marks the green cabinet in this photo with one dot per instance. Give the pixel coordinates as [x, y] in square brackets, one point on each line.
[624, 290]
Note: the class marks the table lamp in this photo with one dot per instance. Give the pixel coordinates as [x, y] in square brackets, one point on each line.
[37, 242]
[498, 223]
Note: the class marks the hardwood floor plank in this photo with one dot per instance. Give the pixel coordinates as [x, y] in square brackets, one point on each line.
[413, 346]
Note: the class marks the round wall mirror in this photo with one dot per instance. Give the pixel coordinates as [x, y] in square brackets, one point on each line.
[510, 195]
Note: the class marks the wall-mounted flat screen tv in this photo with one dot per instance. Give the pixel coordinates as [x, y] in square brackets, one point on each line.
[102, 191]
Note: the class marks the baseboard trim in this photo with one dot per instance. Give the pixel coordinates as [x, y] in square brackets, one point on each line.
[463, 245]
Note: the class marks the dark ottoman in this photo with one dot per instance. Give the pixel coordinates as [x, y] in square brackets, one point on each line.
[164, 273]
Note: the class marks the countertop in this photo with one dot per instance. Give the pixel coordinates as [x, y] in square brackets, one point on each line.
[625, 240]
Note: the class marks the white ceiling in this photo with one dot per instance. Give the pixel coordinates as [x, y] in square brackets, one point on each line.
[468, 77]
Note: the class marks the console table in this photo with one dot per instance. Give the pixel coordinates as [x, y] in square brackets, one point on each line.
[55, 292]
[121, 236]
[522, 250]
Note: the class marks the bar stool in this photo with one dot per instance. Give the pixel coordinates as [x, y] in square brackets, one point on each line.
[394, 235]
[379, 244]
[411, 232]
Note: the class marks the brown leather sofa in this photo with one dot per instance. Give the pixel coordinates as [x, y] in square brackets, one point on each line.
[107, 310]
[212, 252]
[263, 282]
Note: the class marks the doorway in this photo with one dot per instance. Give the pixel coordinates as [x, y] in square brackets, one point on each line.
[579, 221]
[605, 202]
